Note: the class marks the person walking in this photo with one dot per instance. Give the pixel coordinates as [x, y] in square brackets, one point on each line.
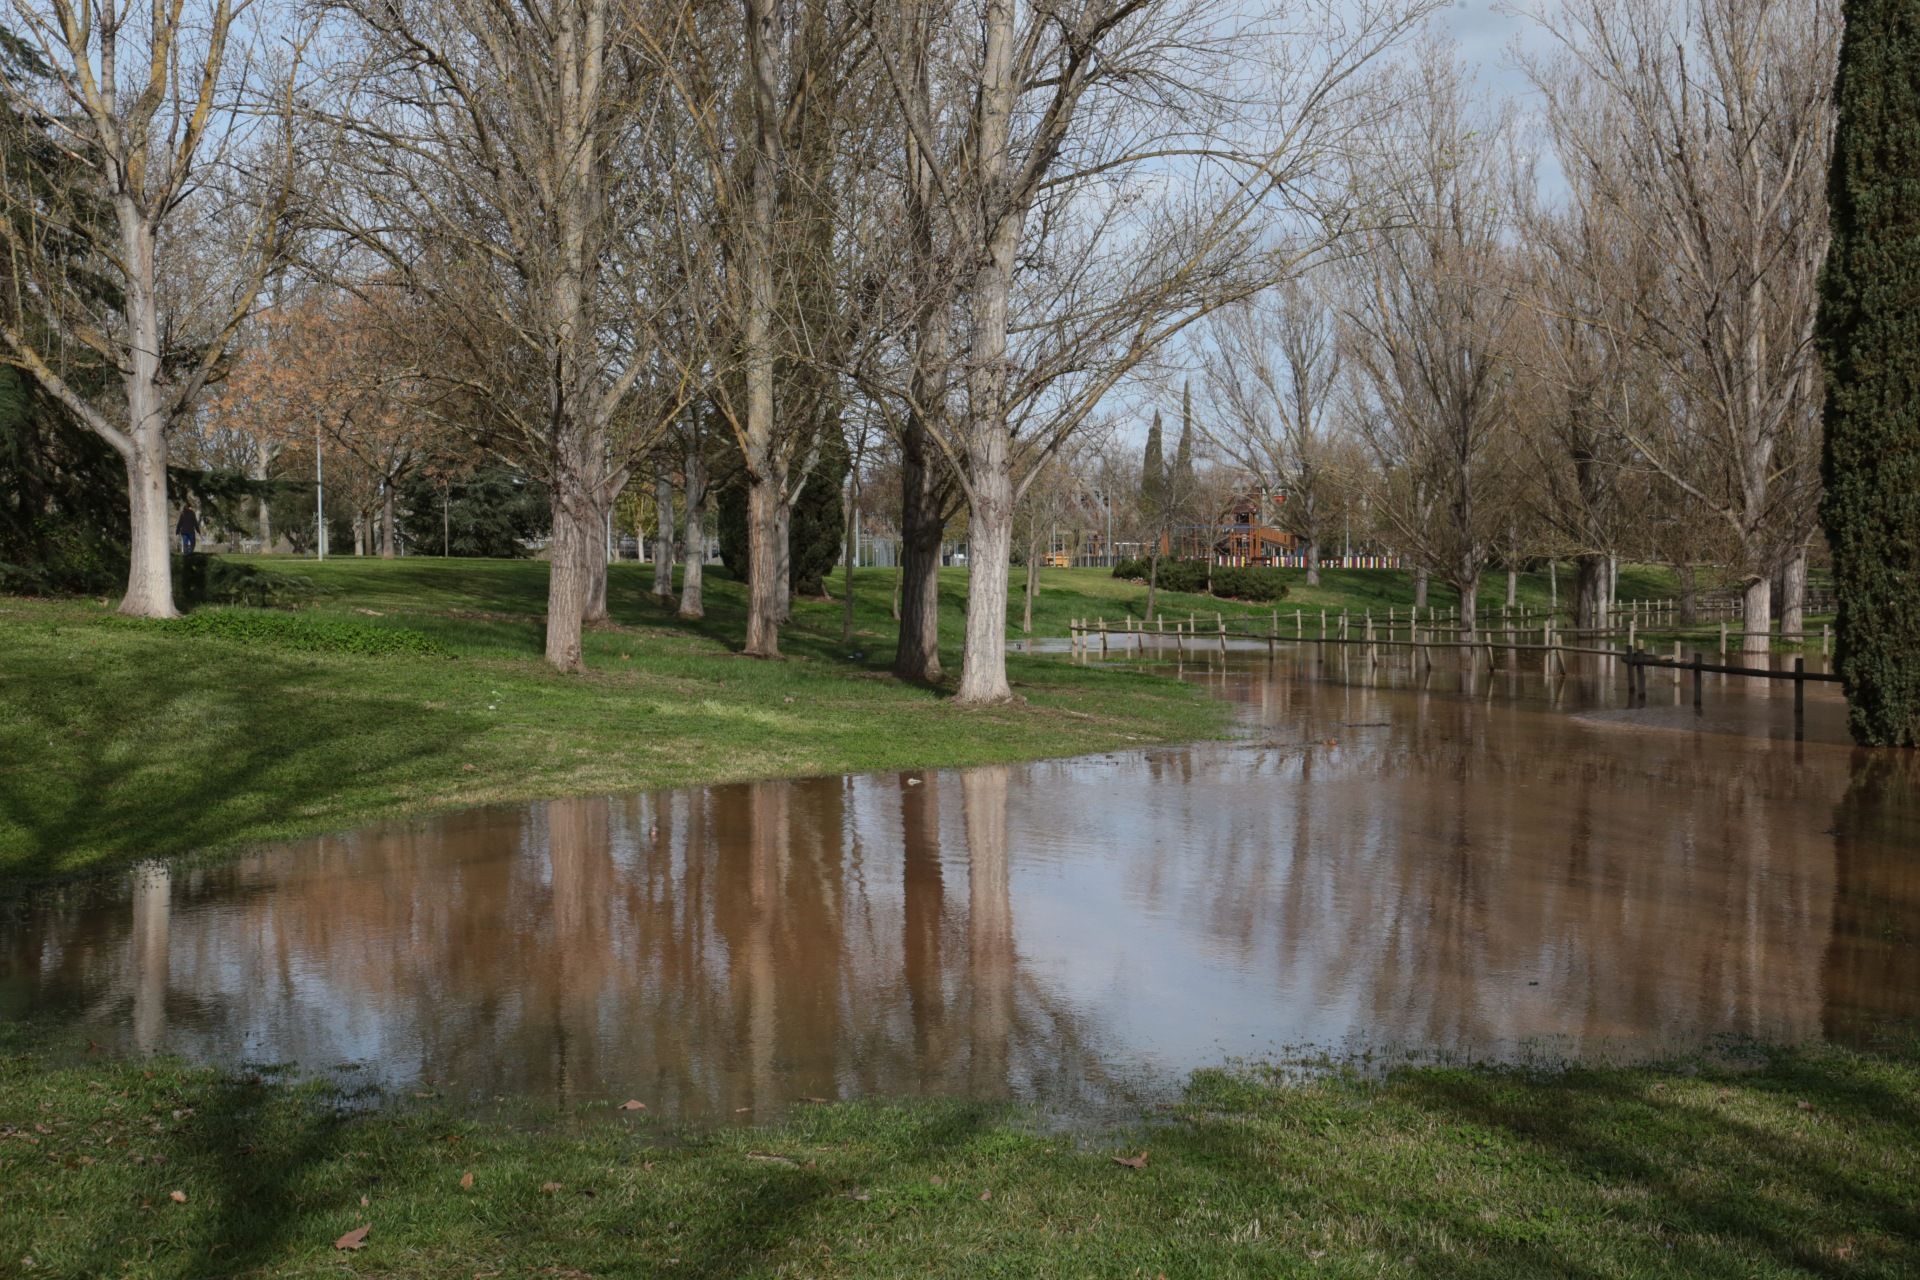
[188, 528]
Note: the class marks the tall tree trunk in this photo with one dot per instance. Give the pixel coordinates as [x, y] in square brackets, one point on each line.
[849, 552]
[663, 537]
[1793, 596]
[766, 474]
[916, 655]
[763, 564]
[983, 666]
[1756, 620]
[592, 549]
[566, 579]
[1513, 586]
[361, 520]
[150, 569]
[916, 583]
[1313, 561]
[1689, 593]
[1033, 579]
[1469, 585]
[1420, 579]
[150, 564]
[783, 552]
[1589, 592]
[387, 544]
[693, 553]
[983, 659]
[265, 506]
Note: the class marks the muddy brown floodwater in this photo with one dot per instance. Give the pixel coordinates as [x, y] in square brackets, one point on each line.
[1384, 868]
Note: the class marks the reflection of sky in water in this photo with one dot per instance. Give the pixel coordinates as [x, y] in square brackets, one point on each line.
[1464, 875]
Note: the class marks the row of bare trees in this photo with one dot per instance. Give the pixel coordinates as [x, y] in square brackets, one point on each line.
[1624, 368]
[593, 222]
[601, 237]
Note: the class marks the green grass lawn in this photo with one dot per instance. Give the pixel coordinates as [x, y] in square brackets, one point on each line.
[418, 684]
[1805, 1164]
[122, 740]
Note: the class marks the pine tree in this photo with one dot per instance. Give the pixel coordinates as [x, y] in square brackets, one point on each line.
[1870, 342]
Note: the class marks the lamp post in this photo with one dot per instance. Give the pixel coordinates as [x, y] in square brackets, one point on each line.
[319, 500]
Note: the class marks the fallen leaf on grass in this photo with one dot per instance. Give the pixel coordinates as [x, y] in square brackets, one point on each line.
[987, 1194]
[1804, 1105]
[466, 1180]
[632, 1104]
[363, 1202]
[354, 1239]
[178, 1197]
[1132, 1162]
[770, 1158]
[937, 1180]
[549, 1187]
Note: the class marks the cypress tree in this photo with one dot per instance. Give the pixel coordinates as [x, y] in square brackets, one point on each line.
[1182, 484]
[1869, 333]
[1153, 473]
[1153, 505]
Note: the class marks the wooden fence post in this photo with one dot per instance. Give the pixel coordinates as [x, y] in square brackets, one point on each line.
[1799, 699]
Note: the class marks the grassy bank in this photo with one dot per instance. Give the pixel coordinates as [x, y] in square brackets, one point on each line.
[1804, 1165]
[402, 686]
[417, 684]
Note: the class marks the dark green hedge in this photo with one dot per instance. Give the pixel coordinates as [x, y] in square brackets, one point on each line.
[1230, 582]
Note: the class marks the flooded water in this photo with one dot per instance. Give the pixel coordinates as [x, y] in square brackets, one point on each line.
[1387, 866]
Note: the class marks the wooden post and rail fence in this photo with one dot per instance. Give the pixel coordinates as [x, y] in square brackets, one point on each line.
[1191, 636]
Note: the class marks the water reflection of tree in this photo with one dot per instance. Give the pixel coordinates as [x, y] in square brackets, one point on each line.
[1479, 873]
[740, 946]
[1872, 964]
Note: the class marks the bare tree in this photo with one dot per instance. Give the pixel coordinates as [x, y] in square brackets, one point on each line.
[170, 127]
[1037, 133]
[1427, 319]
[477, 169]
[1270, 372]
[1704, 128]
[1587, 385]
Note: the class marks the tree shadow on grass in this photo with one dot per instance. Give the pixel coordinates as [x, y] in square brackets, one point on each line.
[1633, 1175]
[126, 763]
[283, 1168]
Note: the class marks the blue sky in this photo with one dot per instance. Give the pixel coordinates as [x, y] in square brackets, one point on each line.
[1486, 36]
